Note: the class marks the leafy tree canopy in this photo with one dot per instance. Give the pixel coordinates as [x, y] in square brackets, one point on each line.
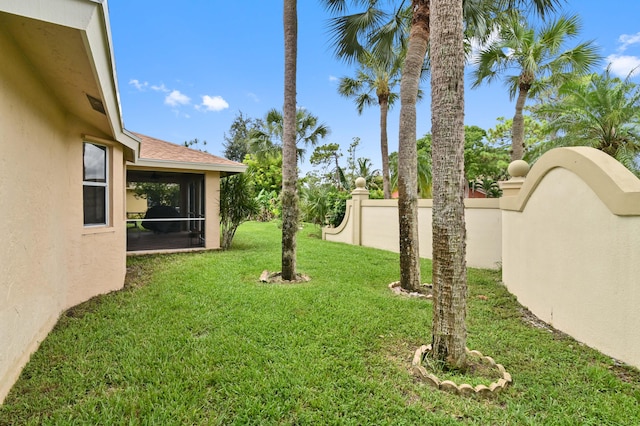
[237, 142]
[536, 133]
[482, 158]
[600, 111]
[265, 172]
[158, 194]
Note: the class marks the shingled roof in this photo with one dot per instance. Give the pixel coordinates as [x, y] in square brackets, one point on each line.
[156, 152]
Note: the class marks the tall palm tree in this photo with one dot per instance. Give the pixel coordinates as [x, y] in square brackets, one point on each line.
[447, 109]
[289, 151]
[537, 58]
[379, 31]
[447, 127]
[410, 277]
[602, 112]
[374, 84]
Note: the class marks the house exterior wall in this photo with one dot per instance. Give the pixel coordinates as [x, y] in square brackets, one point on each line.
[48, 260]
[374, 223]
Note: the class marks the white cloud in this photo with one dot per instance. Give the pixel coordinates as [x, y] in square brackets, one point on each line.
[179, 113]
[622, 65]
[213, 103]
[253, 97]
[333, 78]
[628, 40]
[161, 88]
[138, 85]
[176, 98]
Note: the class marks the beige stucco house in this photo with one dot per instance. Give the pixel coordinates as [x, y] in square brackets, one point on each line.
[64, 156]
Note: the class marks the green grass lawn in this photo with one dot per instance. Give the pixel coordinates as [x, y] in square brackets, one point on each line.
[196, 339]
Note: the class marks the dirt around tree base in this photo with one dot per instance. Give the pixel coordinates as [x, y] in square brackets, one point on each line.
[426, 290]
[276, 278]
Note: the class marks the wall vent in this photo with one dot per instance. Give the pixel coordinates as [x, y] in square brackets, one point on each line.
[96, 104]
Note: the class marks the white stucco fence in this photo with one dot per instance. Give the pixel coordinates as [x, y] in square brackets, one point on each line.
[374, 223]
[567, 237]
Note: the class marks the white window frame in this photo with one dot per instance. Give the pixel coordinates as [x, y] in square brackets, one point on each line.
[105, 184]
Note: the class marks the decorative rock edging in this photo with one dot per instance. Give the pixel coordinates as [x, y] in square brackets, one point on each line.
[395, 287]
[463, 389]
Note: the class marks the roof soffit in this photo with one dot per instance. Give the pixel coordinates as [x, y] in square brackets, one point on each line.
[68, 44]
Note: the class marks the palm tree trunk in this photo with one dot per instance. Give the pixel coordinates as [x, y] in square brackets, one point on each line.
[289, 151]
[384, 145]
[517, 131]
[407, 149]
[447, 127]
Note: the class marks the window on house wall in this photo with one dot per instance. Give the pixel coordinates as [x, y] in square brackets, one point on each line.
[95, 184]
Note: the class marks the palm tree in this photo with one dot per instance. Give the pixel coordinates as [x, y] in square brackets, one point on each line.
[365, 170]
[447, 109]
[407, 150]
[308, 131]
[289, 151]
[379, 31]
[447, 127]
[537, 59]
[375, 77]
[602, 112]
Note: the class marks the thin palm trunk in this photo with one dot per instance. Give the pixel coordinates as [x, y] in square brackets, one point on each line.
[384, 145]
[447, 111]
[289, 151]
[407, 149]
[517, 131]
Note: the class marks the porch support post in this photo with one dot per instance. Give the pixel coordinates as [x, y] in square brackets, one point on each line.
[212, 210]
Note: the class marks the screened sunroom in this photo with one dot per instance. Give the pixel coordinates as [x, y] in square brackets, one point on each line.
[173, 198]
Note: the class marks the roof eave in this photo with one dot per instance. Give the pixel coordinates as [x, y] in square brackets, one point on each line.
[90, 19]
[100, 51]
[184, 165]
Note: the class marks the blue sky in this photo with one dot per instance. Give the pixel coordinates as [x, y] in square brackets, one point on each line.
[186, 68]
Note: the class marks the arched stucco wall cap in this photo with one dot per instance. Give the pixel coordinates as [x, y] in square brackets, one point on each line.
[613, 183]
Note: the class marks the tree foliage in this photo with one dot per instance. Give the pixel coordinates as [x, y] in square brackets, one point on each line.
[484, 162]
[602, 112]
[374, 84]
[539, 59]
[237, 205]
[268, 140]
[158, 193]
[328, 157]
[237, 143]
[196, 144]
[423, 174]
[265, 172]
[536, 134]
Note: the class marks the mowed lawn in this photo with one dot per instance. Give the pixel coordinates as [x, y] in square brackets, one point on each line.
[196, 339]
